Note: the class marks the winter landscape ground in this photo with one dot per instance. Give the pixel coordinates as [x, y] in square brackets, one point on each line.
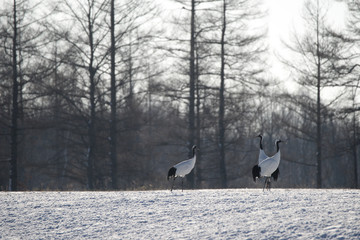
[191, 214]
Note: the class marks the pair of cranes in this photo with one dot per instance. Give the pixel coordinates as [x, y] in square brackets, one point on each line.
[267, 166]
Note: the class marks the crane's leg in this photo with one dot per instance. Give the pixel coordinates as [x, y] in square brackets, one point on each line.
[269, 183]
[172, 185]
[182, 184]
[265, 183]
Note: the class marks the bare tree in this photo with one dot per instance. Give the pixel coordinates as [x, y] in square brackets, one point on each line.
[20, 37]
[184, 49]
[191, 129]
[15, 107]
[238, 49]
[113, 120]
[86, 53]
[222, 168]
[354, 29]
[317, 51]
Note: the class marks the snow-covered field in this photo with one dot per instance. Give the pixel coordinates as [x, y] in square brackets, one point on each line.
[192, 214]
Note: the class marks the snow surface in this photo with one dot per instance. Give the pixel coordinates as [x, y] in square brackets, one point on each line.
[192, 214]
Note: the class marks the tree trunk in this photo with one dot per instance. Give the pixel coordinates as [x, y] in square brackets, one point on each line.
[191, 135]
[57, 108]
[113, 120]
[198, 123]
[318, 105]
[222, 164]
[91, 134]
[91, 123]
[355, 150]
[14, 128]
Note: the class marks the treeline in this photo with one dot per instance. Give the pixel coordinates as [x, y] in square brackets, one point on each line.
[105, 94]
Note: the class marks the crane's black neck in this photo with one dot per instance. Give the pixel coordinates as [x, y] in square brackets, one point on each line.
[277, 145]
[194, 150]
[261, 146]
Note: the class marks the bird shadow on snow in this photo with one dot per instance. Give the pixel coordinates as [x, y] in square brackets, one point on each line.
[176, 195]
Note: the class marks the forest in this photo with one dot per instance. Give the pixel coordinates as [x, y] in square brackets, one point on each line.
[108, 95]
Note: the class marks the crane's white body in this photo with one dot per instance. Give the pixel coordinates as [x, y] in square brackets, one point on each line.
[262, 156]
[269, 165]
[183, 168]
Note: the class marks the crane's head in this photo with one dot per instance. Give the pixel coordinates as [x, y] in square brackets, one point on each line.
[194, 148]
[261, 137]
[277, 144]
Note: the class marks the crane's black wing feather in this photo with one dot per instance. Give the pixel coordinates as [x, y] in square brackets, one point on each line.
[275, 174]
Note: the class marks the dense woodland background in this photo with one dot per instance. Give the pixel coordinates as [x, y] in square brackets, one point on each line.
[105, 94]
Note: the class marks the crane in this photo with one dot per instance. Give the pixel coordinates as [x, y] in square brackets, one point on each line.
[182, 169]
[269, 167]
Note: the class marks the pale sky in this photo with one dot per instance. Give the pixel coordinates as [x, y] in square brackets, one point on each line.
[285, 17]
